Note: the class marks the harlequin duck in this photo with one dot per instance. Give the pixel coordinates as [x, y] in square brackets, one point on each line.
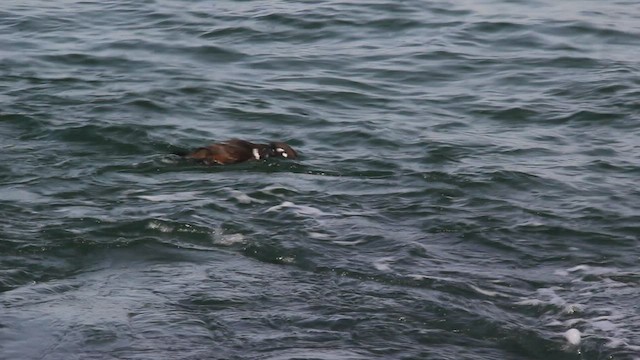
[236, 151]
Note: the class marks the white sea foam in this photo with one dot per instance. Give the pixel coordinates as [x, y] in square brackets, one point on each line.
[581, 300]
[243, 198]
[220, 237]
[486, 292]
[561, 272]
[318, 235]
[349, 243]
[229, 239]
[157, 225]
[301, 210]
[274, 189]
[170, 159]
[286, 259]
[591, 270]
[573, 336]
[530, 302]
[383, 264]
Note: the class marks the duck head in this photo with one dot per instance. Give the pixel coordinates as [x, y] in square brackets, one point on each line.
[280, 149]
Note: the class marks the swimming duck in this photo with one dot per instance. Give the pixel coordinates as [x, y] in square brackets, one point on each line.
[235, 151]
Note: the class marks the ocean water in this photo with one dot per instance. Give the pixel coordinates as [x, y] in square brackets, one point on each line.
[467, 186]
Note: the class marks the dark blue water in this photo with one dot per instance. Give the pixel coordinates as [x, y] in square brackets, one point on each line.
[467, 186]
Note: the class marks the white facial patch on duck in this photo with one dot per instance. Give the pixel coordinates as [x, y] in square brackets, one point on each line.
[282, 152]
[256, 153]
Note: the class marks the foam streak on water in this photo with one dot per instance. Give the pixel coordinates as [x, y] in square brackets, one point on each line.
[467, 186]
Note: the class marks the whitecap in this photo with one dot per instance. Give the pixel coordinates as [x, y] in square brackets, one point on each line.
[573, 336]
[220, 238]
[561, 272]
[349, 243]
[591, 270]
[286, 259]
[229, 239]
[318, 235]
[243, 198]
[298, 209]
[486, 292]
[157, 225]
[382, 264]
[530, 302]
[580, 303]
[274, 189]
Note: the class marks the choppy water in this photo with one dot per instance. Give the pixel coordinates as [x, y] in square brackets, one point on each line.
[467, 188]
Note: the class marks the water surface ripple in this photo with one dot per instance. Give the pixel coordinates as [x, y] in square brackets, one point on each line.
[467, 187]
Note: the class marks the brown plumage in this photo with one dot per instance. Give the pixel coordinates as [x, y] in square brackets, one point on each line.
[236, 151]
